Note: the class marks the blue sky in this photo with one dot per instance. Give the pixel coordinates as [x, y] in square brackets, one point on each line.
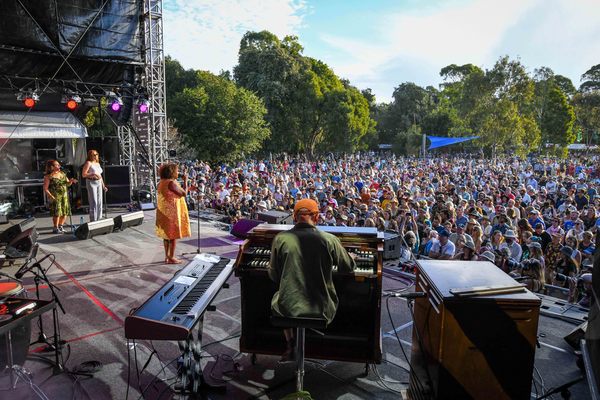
[380, 44]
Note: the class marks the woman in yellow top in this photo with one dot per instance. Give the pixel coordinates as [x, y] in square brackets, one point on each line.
[172, 220]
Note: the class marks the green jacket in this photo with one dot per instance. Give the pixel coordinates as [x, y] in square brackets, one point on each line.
[302, 260]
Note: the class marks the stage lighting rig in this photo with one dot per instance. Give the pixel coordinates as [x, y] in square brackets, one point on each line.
[114, 102]
[29, 99]
[143, 106]
[71, 101]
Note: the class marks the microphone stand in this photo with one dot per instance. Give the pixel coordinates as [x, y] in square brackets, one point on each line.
[197, 223]
[70, 197]
[57, 364]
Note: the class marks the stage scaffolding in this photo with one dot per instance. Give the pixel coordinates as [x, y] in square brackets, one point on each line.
[155, 134]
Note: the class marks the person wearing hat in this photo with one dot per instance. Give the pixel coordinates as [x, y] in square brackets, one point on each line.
[467, 252]
[487, 256]
[566, 266]
[301, 266]
[443, 249]
[460, 232]
[512, 245]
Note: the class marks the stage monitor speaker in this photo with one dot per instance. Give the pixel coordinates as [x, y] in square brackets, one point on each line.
[276, 217]
[91, 229]
[12, 232]
[243, 226]
[126, 220]
[22, 244]
[146, 206]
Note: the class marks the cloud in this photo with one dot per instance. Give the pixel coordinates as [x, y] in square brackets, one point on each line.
[410, 45]
[206, 34]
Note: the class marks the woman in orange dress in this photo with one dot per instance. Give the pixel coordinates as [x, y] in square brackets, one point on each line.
[172, 220]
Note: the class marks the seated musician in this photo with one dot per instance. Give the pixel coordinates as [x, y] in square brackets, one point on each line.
[302, 260]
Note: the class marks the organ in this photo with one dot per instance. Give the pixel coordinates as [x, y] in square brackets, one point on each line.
[354, 334]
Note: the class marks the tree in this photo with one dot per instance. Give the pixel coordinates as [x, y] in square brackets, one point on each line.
[220, 121]
[310, 109]
[591, 79]
[587, 105]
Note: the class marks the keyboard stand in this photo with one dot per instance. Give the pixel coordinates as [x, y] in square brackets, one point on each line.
[190, 373]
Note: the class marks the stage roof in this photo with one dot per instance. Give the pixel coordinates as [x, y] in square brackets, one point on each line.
[40, 125]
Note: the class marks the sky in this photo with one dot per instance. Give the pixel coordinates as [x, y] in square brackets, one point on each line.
[380, 44]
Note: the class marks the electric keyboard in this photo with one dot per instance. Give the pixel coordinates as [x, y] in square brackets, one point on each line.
[172, 311]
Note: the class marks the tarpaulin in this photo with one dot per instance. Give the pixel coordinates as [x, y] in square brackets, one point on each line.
[40, 125]
[437, 141]
[89, 29]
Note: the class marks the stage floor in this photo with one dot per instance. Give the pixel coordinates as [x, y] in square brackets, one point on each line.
[103, 278]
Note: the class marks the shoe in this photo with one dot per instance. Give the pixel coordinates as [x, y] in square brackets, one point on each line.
[55, 230]
[61, 229]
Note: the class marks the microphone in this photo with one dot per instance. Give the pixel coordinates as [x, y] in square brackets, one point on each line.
[25, 268]
[408, 296]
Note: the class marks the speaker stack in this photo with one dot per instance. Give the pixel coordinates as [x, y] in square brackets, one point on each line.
[116, 178]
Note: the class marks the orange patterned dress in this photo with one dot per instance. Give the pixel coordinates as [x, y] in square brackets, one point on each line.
[172, 219]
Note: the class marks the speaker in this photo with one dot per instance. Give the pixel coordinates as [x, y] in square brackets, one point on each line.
[125, 220]
[172, 153]
[575, 336]
[116, 175]
[146, 206]
[276, 217]
[3, 219]
[12, 232]
[391, 245]
[91, 229]
[243, 226]
[22, 244]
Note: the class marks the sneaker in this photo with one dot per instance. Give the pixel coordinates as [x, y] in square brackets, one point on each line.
[61, 229]
[55, 230]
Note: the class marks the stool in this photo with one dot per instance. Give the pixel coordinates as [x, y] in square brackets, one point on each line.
[299, 324]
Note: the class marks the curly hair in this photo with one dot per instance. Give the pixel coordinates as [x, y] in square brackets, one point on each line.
[168, 171]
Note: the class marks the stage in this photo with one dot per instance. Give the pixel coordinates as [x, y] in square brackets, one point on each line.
[103, 278]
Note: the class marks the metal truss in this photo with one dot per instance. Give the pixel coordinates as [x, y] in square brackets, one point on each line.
[155, 134]
[128, 153]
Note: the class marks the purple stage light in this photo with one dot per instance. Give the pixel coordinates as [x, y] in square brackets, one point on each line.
[115, 106]
[143, 107]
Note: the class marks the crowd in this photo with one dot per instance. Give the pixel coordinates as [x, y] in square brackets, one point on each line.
[537, 219]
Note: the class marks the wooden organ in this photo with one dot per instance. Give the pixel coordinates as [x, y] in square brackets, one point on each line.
[353, 335]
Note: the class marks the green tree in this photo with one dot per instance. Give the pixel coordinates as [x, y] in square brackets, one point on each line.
[587, 105]
[554, 115]
[220, 121]
[309, 108]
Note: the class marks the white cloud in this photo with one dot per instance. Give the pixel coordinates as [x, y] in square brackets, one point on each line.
[561, 34]
[206, 34]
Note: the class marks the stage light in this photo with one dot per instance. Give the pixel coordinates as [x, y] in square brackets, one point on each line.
[115, 104]
[143, 106]
[29, 99]
[71, 101]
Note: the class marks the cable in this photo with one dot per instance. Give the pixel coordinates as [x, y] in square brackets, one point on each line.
[382, 381]
[387, 306]
[128, 370]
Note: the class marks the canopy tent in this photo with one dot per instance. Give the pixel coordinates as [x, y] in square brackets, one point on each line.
[437, 141]
[40, 125]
